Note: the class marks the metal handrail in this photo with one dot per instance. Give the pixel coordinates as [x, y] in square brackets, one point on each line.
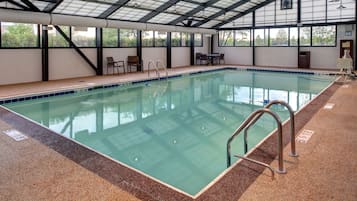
[251, 117]
[259, 163]
[155, 68]
[292, 126]
[162, 65]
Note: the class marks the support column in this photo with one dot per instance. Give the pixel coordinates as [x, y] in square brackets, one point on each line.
[139, 51]
[168, 50]
[44, 53]
[192, 49]
[253, 45]
[298, 27]
[212, 43]
[99, 44]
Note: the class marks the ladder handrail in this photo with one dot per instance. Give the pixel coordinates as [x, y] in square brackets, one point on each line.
[162, 65]
[281, 168]
[257, 162]
[155, 68]
[292, 126]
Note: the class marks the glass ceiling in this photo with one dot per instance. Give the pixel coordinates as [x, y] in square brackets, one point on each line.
[195, 13]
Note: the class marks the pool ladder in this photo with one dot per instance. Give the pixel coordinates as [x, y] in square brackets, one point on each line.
[251, 120]
[156, 68]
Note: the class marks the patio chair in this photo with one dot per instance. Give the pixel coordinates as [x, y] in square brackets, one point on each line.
[205, 58]
[114, 65]
[198, 57]
[133, 61]
[221, 58]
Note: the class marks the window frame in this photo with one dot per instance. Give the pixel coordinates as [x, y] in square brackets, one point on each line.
[119, 43]
[235, 38]
[194, 40]
[335, 38]
[38, 37]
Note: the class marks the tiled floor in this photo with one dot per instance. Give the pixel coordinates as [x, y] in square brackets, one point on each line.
[325, 169]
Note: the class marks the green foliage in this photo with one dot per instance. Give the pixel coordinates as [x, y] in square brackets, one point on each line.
[305, 36]
[226, 38]
[259, 41]
[198, 40]
[280, 39]
[160, 39]
[175, 42]
[55, 39]
[323, 36]
[19, 35]
[242, 38]
[128, 38]
[110, 37]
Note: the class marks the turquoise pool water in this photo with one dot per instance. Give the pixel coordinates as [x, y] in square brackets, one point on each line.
[174, 130]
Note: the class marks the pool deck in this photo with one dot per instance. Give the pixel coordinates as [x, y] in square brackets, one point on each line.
[325, 169]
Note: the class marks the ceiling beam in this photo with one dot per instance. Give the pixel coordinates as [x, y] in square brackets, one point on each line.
[30, 5]
[18, 4]
[51, 7]
[222, 12]
[243, 13]
[159, 10]
[113, 8]
[202, 4]
[193, 12]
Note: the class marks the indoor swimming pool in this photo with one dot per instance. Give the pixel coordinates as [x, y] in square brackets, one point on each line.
[174, 130]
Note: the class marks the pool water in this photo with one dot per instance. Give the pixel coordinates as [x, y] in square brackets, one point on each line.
[174, 130]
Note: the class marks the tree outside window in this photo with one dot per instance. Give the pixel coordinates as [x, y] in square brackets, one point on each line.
[198, 40]
[175, 39]
[84, 36]
[160, 39]
[19, 35]
[279, 37]
[324, 35]
[226, 38]
[148, 38]
[242, 38]
[261, 37]
[128, 38]
[305, 36]
[293, 36]
[110, 37]
[55, 39]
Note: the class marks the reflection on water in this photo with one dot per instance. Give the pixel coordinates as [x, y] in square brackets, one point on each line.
[174, 130]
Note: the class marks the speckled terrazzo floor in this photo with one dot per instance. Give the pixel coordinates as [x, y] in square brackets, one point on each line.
[326, 167]
[31, 171]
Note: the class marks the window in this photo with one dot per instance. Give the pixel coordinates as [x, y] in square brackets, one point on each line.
[175, 39]
[148, 38]
[185, 38]
[19, 35]
[324, 35]
[83, 36]
[198, 40]
[110, 37]
[55, 39]
[286, 4]
[279, 36]
[293, 36]
[226, 38]
[128, 38]
[242, 38]
[261, 37]
[160, 39]
[305, 36]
